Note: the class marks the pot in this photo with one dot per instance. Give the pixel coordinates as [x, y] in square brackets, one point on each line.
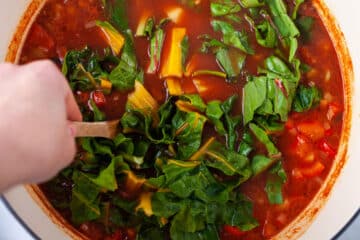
[337, 201]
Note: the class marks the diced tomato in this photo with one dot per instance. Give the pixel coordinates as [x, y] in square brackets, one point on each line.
[41, 38]
[325, 147]
[313, 130]
[289, 124]
[333, 110]
[99, 98]
[314, 170]
[231, 233]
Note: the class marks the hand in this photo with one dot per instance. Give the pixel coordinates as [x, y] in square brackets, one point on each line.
[36, 136]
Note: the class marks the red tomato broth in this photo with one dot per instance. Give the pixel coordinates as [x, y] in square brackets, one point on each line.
[299, 189]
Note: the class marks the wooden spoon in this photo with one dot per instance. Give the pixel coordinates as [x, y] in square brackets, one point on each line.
[97, 129]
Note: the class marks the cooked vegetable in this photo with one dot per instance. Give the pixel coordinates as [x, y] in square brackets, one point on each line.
[173, 67]
[114, 38]
[230, 117]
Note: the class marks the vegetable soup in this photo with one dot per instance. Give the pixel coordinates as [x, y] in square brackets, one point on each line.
[231, 114]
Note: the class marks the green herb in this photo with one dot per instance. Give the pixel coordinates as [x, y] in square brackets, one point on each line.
[264, 138]
[252, 3]
[274, 184]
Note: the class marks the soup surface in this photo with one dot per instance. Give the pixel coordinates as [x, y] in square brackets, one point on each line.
[231, 114]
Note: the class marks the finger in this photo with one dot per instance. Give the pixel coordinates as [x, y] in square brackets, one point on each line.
[69, 146]
[72, 108]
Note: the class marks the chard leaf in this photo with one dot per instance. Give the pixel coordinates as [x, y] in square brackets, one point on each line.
[123, 76]
[252, 3]
[107, 179]
[189, 128]
[260, 163]
[156, 46]
[261, 135]
[232, 62]
[296, 8]
[84, 202]
[222, 9]
[255, 93]
[274, 184]
[285, 25]
[216, 156]
[232, 37]
[265, 33]
[306, 98]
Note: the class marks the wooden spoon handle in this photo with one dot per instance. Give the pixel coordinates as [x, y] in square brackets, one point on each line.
[96, 129]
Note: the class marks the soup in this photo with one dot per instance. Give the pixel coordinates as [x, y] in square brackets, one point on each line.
[231, 114]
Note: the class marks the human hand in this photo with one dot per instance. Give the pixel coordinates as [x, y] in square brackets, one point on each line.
[36, 136]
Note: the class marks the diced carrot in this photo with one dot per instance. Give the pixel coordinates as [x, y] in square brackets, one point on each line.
[113, 37]
[174, 87]
[41, 38]
[172, 66]
[315, 170]
[325, 147]
[313, 130]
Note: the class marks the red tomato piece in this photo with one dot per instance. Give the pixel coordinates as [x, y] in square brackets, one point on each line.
[313, 130]
[99, 98]
[231, 233]
[41, 38]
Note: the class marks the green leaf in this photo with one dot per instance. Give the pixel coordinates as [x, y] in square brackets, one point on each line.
[123, 76]
[107, 179]
[261, 135]
[231, 61]
[252, 3]
[189, 129]
[260, 163]
[229, 162]
[222, 9]
[276, 179]
[84, 202]
[296, 8]
[215, 113]
[265, 33]
[255, 93]
[195, 101]
[306, 98]
[232, 37]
